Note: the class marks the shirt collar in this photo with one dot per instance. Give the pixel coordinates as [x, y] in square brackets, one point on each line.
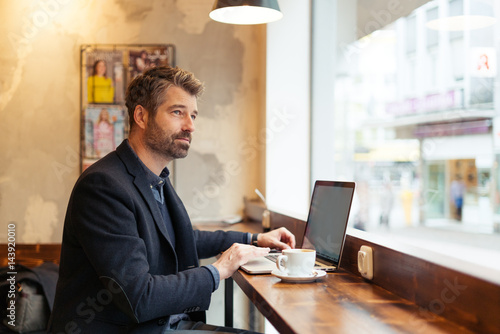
[154, 180]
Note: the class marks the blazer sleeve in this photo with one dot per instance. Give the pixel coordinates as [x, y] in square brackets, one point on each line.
[210, 244]
[103, 220]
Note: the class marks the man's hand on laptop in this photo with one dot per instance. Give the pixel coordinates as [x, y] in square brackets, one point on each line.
[280, 239]
[236, 256]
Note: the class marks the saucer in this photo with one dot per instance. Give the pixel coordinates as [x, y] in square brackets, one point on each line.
[299, 279]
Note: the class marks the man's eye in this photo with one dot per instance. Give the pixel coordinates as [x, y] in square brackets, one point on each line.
[193, 117]
[177, 112]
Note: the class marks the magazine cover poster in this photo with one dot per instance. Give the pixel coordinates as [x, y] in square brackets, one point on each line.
[142, 59]
[104, 77]
[104, 130]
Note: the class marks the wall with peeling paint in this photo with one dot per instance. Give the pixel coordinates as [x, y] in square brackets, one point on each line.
[40, 113]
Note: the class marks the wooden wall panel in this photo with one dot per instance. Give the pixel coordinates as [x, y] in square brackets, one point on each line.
[32, 255]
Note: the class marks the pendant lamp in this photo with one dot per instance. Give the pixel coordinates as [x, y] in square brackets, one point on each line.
[246, 11]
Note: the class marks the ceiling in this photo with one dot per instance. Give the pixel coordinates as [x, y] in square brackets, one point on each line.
[375, 14]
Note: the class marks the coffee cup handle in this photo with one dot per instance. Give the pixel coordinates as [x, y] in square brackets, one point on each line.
[279, 262]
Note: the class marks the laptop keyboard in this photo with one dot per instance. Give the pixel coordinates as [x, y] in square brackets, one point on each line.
[272, 257]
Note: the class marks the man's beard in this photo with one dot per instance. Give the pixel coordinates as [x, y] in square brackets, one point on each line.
[165, 144]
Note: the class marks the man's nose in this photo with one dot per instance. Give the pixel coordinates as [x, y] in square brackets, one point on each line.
[188, 124]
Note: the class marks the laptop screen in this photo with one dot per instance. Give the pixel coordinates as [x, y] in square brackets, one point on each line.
[327, 220]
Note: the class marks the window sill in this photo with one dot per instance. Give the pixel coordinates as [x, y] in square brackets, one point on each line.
[479, 263]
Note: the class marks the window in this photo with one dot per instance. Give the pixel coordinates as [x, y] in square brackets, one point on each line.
[411, 34]
[425, 165]
[411, 123]
[432, 35]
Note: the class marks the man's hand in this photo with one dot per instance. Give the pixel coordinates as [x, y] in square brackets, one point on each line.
[280, 238]
[236, 256]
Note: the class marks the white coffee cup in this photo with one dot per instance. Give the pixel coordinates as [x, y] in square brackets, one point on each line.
[296, 262]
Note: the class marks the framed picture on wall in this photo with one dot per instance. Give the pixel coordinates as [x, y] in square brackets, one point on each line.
[141, 59]
[104, 73]
[104, 129]
[106, 70]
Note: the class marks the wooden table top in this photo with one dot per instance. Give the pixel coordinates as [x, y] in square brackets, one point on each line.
[338, 303]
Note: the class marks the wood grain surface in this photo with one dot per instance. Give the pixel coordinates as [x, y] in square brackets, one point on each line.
[338, 303]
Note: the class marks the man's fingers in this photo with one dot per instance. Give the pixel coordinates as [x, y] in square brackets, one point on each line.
[280, 238]
[243, 253]
[261, 251]
[288, 237]
[236, 256]
[284, 246]
[251, 252]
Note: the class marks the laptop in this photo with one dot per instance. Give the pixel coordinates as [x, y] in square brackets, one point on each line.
[325, 228]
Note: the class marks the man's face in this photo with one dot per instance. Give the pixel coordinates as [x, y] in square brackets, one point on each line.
[169, 133]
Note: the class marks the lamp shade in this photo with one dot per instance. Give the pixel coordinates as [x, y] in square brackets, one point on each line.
[246, 11]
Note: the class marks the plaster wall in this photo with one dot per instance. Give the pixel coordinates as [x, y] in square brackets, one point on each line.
[40, 107]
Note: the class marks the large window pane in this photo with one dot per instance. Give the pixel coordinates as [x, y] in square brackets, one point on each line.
[420, 105]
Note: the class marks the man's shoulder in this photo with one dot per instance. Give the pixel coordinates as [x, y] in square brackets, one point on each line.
[119, 168]
[108, 164]
[107, 169]
[120, 159]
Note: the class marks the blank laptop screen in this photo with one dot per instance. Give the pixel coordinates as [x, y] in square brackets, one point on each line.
[327, 221]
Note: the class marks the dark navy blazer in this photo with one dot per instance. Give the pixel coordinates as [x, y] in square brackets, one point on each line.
[119, 272]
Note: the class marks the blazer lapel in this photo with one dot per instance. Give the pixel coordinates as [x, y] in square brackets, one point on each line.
[135, 169]
[145, 190]
[188, 257]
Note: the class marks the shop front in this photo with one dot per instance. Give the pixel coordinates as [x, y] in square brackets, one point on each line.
[457, 180]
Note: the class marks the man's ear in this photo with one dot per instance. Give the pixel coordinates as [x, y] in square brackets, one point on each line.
[141, 116]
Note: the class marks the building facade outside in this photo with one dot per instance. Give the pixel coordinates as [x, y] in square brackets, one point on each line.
[422, 99]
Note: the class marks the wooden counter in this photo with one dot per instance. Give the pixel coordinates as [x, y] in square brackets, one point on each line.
[407, 294]
[338, 303]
